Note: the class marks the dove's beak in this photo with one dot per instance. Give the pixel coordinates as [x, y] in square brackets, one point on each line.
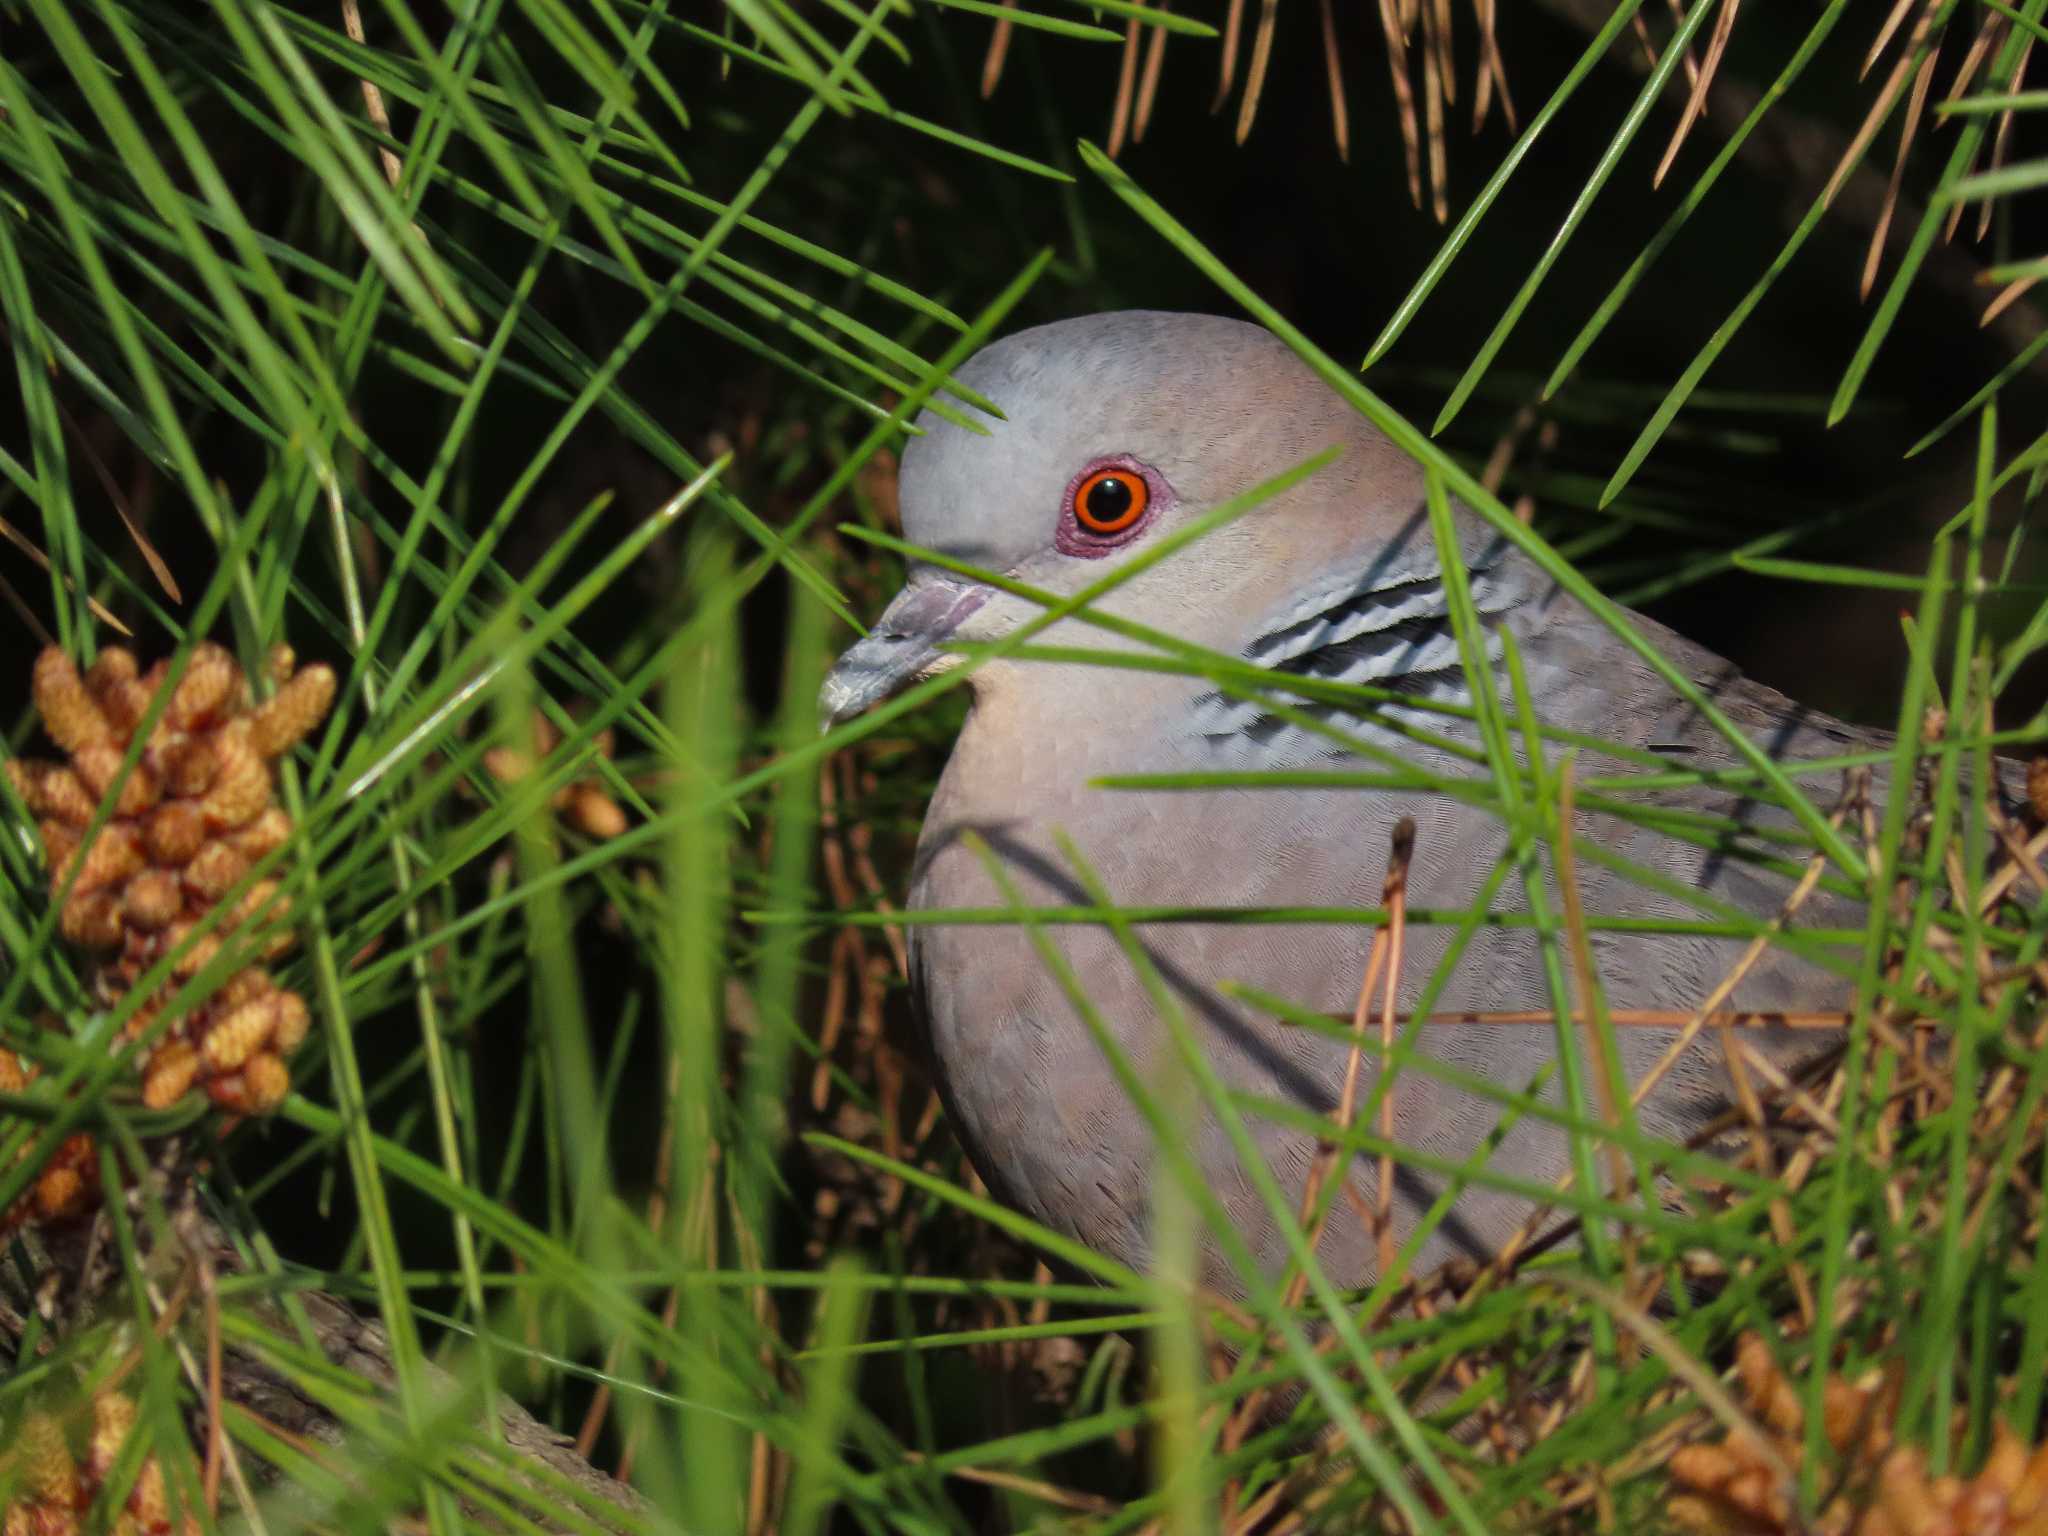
[903, 647]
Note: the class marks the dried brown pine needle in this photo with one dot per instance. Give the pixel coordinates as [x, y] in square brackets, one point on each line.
[1404, 96]
[998, 52]
[1255, 76]
[1916, 104]
[1226, 74]
[1126, 91]
[1436, 90]
[2001, 150]
[1493, 74]
[1885, 33]
[1148, 83]
[1340, 122]
[1724, 25]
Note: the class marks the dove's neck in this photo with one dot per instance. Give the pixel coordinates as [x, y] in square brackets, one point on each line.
[1083, 718]
[1286, 707]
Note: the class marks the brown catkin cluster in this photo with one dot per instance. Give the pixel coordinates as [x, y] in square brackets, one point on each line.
[53, 1487]
[69, 1184]
[584, 804]
[188, 822]
[1730, 1488]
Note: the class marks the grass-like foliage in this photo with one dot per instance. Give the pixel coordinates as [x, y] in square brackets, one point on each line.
[540, 368]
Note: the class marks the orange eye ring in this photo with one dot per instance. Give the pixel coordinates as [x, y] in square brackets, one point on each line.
[1111, 500]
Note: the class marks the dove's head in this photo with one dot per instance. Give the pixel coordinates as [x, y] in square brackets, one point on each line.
[1116, 430]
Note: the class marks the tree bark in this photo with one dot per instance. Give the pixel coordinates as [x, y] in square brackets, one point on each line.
[79, 1281]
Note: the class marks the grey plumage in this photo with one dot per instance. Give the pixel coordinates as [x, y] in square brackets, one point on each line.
[1336, 578]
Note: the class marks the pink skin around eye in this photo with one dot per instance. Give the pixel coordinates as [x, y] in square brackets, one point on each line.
[1070, 538]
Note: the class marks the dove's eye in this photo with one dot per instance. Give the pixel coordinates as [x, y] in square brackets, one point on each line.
[1110, 501]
